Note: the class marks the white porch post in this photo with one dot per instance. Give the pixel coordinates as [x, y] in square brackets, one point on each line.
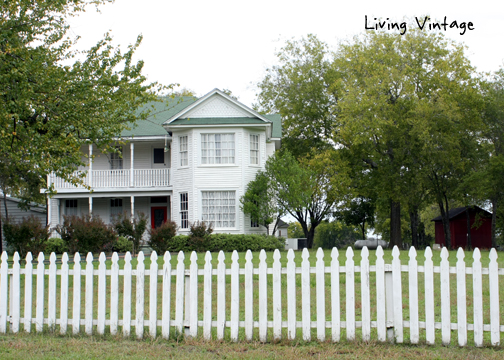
[132, 154]
[49, 212]
[90, 175]
[90, 206]
[132, 208]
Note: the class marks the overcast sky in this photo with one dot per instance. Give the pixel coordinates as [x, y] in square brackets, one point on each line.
[228, 44]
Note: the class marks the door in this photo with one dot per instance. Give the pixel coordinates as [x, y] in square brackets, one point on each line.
[158, 216]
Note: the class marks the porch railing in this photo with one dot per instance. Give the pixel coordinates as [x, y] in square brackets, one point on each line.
[118, 179]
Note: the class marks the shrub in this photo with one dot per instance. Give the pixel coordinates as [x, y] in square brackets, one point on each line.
[160, 237]
[199, 235]
[123, 245]
[55, 245]
[132, 230]
[86, 234]
[28, 235]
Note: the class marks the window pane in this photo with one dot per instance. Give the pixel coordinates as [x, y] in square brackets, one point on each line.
[218, 208]
[158, 156]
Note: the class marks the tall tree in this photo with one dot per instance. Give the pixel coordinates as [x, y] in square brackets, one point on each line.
[49, 109]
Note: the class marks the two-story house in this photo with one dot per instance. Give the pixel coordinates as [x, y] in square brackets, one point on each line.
[191, 160]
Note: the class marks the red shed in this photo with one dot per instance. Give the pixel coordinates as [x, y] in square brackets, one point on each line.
[481, 234]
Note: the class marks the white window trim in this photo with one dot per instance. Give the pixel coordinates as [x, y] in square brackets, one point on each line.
[258, 150]
[179, 160]
[237, 213]
[186, 211]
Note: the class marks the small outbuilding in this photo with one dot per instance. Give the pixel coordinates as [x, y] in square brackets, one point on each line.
[481, 228]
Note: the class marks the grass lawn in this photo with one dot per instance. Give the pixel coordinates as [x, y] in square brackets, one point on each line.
[49, 346]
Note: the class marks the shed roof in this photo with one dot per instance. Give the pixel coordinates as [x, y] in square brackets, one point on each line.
[457, 211]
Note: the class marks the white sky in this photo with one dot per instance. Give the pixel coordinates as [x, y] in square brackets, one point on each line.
[204, 44]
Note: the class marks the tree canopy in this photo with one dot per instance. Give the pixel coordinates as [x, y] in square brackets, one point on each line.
[53, 99]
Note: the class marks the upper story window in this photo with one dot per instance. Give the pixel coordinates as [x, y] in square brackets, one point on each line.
[217, 149]
[183, 151]
[116, 160]
[254, 149]
[158, 156]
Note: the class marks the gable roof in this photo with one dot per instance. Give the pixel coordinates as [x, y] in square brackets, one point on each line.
[457, 211]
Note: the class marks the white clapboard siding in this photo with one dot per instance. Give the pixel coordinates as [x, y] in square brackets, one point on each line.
[263, 288]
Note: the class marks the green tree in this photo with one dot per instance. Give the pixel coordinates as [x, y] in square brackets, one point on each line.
[335, 234]
[358, 212]
[408, 112]
[49, 109]
[295, 230]
[259, 202]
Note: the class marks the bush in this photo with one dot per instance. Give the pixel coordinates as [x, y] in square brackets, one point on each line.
[132, 230]
[29, 235]
[86, 234]
[123, 244]
[199, 235]
[160, 237]
[55, 245]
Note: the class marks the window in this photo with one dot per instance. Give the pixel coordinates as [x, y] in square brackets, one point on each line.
[184, 211]
[158, 156]
[183, 151]
[254, 149]
[116, 161]
[254, 223]
[217, 149]
[116, 207]
[218, 208]
[159, 200]
[71, 207]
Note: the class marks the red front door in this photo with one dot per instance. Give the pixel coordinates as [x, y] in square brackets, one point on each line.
[158, 216]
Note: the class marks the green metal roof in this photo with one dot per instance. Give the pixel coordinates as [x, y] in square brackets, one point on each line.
[160, 111]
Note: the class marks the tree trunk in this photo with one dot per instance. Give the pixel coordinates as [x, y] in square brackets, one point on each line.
[494, 221]
[468, 220]
[413, 213]
[395, 224]
[363, 228]
[446, 223]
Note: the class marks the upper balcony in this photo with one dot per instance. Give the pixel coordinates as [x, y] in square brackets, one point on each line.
[116, 180]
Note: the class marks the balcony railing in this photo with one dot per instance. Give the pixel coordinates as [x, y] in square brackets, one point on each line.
[140, 178]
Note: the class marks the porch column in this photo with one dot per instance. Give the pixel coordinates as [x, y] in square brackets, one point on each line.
[132, 154]
[90, 175]
[90, 206]
[132, 208]
[49, 211]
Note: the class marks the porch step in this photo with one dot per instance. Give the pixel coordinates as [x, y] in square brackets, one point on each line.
[147, 250]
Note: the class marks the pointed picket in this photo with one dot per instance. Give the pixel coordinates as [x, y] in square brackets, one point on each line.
[335, 296]
[153, 286]
[193, 299]
[291, 295]
[263, 297]
[88, 315]
[126, 329]
[51, 298]
[381, 314]
[305, 295]
[478, 298]
[444, 269]
[140, 295]
[64, 294]
[102, 294]
[320, 292]
[461, 299]
[249, 296]
[166, 308]
[277, 296]
[350, 294]
[4, 292]
[493, 274]
[429, 297]
[15, 294]
[397, 289]
[76, 308]
[235, 297]
[365, 295]
[221, 295]
[114, 294]
[207, 297]
[39, 311]
[179, 296]
[413, 296]
[28, 293]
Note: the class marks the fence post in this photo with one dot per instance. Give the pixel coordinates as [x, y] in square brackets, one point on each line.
[187, 316]
[389, 303]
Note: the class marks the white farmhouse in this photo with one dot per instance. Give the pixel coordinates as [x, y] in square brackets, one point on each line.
[191, 160]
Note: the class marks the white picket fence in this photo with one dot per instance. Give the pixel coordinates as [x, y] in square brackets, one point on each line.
[217, 302]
